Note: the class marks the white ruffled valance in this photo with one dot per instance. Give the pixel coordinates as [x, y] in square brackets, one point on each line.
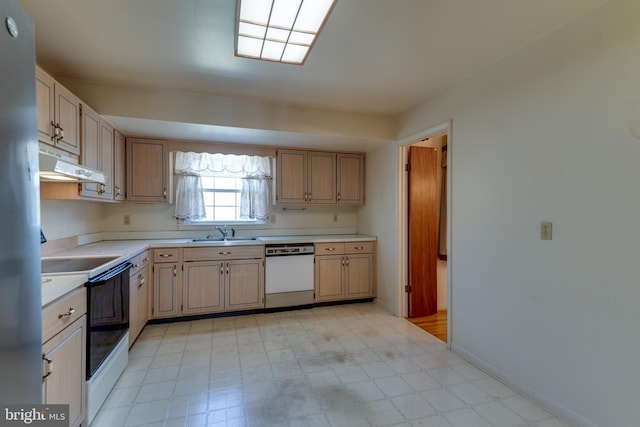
[255, 172]
[227, 165]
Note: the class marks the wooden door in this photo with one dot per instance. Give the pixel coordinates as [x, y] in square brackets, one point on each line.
[90, 148]
[358, 280]
[165, 290]
[147, 171]
[203, 287]
[106, 157]
[350, 179]
[423, 231]
[245, 284]
[45, 106]
[118, 166]
[291, 178]
[67, 111]
[321, 178]
[329, 277]
[66, 382]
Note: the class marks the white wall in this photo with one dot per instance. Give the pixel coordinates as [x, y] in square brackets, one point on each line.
[544, 134]
[61, 219]
[158, 218]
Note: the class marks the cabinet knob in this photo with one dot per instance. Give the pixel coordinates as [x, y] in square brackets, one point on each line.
[330, 249]
[68, 313]
[164, 193]
[164, 255]
[141, 278]
[359, 248]
[224, 253]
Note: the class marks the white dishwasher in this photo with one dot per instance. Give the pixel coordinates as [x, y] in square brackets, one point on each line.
[288, 275]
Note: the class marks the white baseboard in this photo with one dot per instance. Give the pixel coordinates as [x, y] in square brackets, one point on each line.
[541, 399]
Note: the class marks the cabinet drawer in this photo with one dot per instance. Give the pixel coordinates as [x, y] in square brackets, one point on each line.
[139, 278]
[62, 312]
[329, 248]
[139, 262]
[223, 252]
[166, 255]
[358, 247]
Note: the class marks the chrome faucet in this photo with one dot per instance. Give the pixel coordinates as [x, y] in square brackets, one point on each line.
[223, 231]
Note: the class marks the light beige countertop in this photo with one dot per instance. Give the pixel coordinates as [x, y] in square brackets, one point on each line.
[55, 285]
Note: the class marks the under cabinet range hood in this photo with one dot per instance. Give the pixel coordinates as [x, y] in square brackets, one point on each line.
[58, 167]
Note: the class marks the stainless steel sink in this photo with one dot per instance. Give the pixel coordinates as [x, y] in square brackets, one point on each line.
[67, 265]
[221, 240]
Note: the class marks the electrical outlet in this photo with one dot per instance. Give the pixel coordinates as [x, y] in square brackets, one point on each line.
[546, 230]
[126, 219]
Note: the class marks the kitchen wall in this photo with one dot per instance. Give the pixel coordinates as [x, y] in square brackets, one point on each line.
[62, 219]
[67, 218]
[158, 219]
[550, 133]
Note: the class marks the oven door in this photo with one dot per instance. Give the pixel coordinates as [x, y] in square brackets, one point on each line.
[107, 313]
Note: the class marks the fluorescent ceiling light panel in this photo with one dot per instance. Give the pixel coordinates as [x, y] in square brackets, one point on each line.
[280, 30]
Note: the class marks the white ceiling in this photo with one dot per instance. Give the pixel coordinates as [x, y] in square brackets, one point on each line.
[373, 56]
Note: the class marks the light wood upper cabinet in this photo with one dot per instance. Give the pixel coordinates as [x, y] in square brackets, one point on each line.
[58, 114]
[291, 177]
[147, 171]
[350, 180]
[321, 181]
[97, 152]
[119, 175]
[319, 177]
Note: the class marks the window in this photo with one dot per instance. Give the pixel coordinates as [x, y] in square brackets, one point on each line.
[222, 187]
[222, 197]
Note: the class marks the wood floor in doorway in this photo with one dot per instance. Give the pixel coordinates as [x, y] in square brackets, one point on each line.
[436, 324]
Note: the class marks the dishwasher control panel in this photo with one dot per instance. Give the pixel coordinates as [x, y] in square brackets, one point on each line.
[289, 249]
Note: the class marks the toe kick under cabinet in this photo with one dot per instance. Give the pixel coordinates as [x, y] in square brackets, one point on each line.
[344, 271]
[205, 280]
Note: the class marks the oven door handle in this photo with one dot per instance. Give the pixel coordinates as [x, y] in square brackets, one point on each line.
[119, 269]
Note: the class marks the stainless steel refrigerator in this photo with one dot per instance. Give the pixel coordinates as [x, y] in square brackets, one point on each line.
[20, 286]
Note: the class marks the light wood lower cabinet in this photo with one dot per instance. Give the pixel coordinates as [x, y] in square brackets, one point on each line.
[206, 280]
[203, 287]
[139, 283]
[344, 270]
[63, 354]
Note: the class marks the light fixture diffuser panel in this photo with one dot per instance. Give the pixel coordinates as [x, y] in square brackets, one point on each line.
[279, 30]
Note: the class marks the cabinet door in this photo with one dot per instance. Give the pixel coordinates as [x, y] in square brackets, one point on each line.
[291, 177]
[328, 278]
[147, 171]
[67, 112]
[138, 303]
[350, 179]
[45, 106]
[165, 290]
[119, 182]
[321, 176]
[64, 357]
[106, 158]
[90, 149]
[203, 284]
[358, 276]
[244, 284]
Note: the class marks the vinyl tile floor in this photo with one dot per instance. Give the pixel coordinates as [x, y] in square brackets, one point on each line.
[348, 365]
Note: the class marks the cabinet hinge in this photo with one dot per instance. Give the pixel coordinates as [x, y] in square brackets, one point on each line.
[407, 167]
[152, 310]
[153, 269]
[407, 289]
[181, 307]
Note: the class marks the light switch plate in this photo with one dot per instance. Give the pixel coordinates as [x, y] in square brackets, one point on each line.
[546, 230]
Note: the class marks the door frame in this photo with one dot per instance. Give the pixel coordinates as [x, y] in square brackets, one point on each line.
[403, 220]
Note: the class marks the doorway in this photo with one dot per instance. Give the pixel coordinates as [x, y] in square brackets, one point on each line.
[424, 231]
